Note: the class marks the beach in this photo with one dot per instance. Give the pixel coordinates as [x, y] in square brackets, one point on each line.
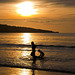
[15, 53]
[20, 71]
[37, 37]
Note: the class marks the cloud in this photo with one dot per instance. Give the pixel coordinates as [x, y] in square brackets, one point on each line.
[47, 21]
[55, 2]
[6, 1]
[62, 2]
[72, 14]
[10, 1]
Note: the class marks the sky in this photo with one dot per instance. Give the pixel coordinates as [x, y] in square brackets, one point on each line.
[55, 15]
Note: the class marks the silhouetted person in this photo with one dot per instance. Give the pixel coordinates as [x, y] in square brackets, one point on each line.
[41, 54]
[33, 50]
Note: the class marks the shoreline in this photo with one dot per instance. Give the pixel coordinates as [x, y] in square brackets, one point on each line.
[20, 71]
[48, 70]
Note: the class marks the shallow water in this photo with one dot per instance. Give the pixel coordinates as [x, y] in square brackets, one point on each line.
[18, 71]
[15, 49]
[66, 39]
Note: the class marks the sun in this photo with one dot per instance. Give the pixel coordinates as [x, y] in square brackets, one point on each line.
[26, 9]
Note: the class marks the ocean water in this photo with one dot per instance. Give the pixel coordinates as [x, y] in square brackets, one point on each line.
[59, 49]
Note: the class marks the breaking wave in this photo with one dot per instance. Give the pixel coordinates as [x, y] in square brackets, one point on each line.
[23, 45]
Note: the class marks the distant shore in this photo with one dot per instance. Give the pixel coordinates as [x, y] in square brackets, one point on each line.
[4, 28]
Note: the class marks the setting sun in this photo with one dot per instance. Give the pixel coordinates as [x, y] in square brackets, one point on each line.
[26, 9]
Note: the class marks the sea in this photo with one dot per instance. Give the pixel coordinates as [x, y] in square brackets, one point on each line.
[59, 50]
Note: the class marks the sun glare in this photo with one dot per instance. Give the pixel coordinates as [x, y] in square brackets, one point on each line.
[26, 38]
[26, 9]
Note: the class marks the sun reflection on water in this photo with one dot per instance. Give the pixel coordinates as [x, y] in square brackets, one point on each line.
[25, 72]
[26, 38]
[25, 53]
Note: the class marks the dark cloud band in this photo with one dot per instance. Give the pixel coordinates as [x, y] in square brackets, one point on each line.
[56, 2]
[10, 1]
[62, 2]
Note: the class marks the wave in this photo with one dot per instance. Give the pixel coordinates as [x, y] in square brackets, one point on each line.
[23, 45]
[36, 68]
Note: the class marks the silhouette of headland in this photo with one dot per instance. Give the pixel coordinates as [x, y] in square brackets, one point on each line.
[4, 28]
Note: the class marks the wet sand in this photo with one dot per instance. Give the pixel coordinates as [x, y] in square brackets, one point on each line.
[19, 71]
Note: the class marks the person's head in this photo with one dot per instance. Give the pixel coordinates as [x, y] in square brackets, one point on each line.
[32, 43]
[39, 50]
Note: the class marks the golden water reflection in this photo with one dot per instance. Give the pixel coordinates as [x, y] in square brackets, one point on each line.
[19, 71]
[25, 53]
[25, 72]
[26, 38]
[15, 71]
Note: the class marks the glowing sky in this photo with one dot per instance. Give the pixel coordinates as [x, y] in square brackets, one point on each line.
[56, 15]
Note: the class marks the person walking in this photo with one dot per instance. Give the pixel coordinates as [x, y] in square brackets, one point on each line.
[33, 50]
